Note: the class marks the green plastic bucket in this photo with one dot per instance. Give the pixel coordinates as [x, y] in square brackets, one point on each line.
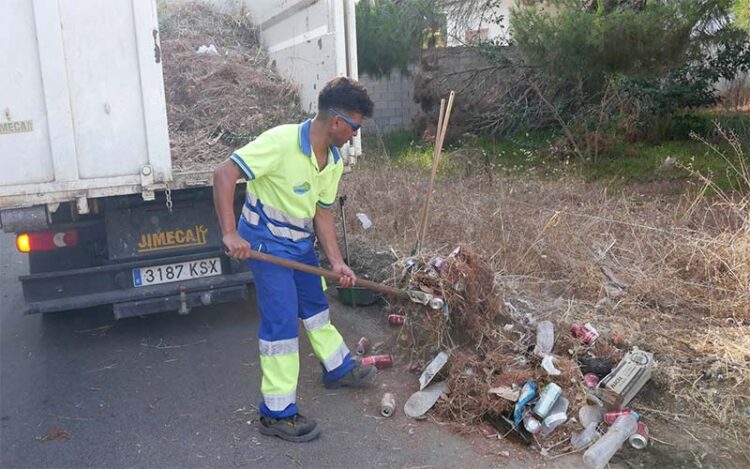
[357, 296]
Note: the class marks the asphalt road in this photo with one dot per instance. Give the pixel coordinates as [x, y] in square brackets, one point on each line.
[84, 390]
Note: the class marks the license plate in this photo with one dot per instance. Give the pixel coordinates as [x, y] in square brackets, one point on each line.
[166, 273]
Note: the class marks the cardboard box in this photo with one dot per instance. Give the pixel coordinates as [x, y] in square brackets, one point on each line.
[619, 387]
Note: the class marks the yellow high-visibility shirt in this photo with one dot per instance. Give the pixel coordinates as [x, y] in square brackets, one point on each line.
[283, 173]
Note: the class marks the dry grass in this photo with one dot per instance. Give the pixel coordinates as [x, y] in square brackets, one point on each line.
[217, 103]
[670, 275]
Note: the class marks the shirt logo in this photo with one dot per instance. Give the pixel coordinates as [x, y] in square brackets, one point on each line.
[302, 187]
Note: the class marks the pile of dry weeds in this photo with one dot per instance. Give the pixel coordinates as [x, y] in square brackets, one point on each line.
[668, 274]
[217, 102]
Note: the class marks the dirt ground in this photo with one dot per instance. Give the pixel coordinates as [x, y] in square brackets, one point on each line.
[682, 257]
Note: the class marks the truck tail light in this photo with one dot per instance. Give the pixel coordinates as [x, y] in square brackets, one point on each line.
[46, 240]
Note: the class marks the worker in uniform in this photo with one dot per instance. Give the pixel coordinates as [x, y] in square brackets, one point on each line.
[292, 174]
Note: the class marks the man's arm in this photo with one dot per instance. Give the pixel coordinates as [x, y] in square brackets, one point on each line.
[325, 229]
[225, 181]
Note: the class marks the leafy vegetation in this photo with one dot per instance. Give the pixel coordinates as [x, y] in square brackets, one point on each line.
[614, 72]
[389, 33]
[629, 163]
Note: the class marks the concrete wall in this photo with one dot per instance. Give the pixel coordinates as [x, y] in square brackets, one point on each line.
[394, 102]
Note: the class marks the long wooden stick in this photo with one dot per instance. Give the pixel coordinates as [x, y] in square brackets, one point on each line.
[423, 212]
[378, 287]
[438, 150]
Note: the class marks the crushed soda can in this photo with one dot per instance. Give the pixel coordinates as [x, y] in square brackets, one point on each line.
[531, 424]
[610, 417]
[586, 333]
[437, 263]
[363, 345]
[387, 405]
[396, 319]
[436, 303]
[639, 439]
[590, 380]
[378, 361]
[547, 398]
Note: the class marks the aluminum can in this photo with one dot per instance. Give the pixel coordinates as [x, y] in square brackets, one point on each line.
[610, 417]
[639, 439]
[436, 303]
[387, 405]
[586, 333]
[547, 399]
[590, 380]
[363, 345]
[396, 319]
[531, 424]
[378, 361]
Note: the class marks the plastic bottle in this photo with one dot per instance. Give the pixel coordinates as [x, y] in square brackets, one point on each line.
[545, 338]
[590, 414]
[602, 451]
[585, 437]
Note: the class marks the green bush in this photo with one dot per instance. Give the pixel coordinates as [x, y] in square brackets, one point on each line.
[583, 48]
[620, 70]
[389, 33]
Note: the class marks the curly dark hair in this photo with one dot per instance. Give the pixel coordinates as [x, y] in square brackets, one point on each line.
[345, 94]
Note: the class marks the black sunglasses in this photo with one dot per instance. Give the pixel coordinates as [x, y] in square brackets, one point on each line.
[355, 127]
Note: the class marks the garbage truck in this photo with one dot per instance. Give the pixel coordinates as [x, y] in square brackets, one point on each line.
[87, 183]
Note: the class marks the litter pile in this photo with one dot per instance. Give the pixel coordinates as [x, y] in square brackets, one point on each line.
[514, 369]
[220, 89]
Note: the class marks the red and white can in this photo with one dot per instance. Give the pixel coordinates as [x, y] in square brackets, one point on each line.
[590, 380]
[639, 439]
[378, 361]
[610, 417]
[363, 345]
[586, 333]
[396, 319]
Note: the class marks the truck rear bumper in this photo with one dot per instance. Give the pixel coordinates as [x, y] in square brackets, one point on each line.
[113, 284]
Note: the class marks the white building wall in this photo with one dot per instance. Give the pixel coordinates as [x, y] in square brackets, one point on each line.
[495, 20]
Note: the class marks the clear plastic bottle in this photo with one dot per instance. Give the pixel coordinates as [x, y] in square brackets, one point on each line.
[545, 338]
[602, 451]
[585, 437]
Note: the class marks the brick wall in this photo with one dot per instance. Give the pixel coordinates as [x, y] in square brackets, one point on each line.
[394, 102]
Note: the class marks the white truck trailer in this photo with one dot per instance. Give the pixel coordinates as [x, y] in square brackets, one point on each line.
[87, 183]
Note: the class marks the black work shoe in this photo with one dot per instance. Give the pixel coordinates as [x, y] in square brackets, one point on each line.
[358, 377]
[296, 428]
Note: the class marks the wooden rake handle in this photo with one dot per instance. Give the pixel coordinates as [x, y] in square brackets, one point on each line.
[378, 287]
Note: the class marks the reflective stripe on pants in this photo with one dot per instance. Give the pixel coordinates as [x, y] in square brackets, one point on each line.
[284, 296]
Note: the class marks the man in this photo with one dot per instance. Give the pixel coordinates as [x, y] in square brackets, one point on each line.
[293, 172]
